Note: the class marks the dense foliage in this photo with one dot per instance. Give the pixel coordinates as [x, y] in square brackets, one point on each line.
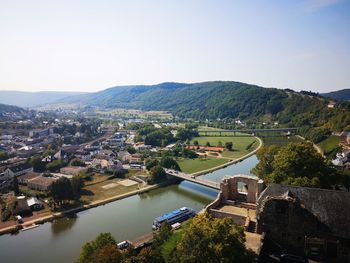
[212, 240]
[295, 164]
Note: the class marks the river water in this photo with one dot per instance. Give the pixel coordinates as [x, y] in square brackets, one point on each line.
[61, 240]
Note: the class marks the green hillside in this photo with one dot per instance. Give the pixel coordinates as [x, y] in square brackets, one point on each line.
[225, 99]
[343, 95]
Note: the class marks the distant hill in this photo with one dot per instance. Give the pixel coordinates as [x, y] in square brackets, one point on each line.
[10, 110]
[343, 95]
[31, 99]
[223, 99]
[4, 108]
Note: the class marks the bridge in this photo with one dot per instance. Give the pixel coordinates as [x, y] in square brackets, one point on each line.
[251, 131]
[193, 179]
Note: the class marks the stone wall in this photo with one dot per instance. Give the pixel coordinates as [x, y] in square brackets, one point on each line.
[230, 191]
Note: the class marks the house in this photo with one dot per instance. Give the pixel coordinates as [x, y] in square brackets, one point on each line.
[342, 160]
[25, 178]
[35, 204]
[307, 221]
[124, 156]
[331, 104]
[41, 183]
[135, 158]
[48, 159]
[106, 165]
[17, 170]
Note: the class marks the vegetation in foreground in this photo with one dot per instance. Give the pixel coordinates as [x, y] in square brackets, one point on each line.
[204, 239]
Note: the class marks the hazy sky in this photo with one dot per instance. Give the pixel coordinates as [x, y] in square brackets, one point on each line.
[90, 45]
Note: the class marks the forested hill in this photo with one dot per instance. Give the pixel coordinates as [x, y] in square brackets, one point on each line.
[223, 99]
[343, 94]
[6, 110]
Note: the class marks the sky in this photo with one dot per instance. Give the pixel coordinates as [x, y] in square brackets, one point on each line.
[90, 45]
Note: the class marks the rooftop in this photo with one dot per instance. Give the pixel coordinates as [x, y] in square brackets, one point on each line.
[330, 207]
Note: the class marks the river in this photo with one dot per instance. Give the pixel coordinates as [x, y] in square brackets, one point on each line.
[60, 241]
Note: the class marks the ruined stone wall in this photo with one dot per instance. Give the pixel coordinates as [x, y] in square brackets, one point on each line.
[229, 188]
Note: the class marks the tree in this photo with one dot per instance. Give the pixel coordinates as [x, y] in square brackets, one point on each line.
[54, 165]
[77, 162]
[103, 249]
[36, 162]
[265, 155]
[62, 190]
[151, 163]
[207, 144]
[157, 174]
[195, 143]
[77, 183]
[295, 164]
[3, 156]
[219, 143]
[212, 240]
[130, 149]
[229, 146]
[170, 163]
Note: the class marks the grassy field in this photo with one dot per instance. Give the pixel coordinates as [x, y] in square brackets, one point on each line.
[280, 140]
[169, 245]
[199, 164]
[241, 145]
[329, 144]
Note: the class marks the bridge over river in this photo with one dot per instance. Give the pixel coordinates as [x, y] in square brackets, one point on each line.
[191, 178]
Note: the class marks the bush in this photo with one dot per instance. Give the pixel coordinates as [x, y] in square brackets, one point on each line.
[5, 215]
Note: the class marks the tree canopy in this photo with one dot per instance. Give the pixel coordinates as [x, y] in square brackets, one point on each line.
[295, 164]
[101, 250]
[212, 240]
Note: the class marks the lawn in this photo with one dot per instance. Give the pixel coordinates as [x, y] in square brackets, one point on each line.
[241, 145]
[330, 143]
[280, 140]
[199, 164]
[169, 245]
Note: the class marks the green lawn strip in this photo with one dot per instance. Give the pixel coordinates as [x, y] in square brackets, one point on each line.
[170, 244]
[239, 143]
[199, 164]
[330, 143]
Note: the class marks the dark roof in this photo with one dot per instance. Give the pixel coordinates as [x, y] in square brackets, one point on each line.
[20, 167]
[330, 207]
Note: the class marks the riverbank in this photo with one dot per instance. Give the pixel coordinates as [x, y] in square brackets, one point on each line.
[43, 219]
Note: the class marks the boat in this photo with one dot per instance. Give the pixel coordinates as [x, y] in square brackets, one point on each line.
[176, 216]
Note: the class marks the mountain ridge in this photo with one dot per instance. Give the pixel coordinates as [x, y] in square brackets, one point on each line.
[343, 94]
[32, 99]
